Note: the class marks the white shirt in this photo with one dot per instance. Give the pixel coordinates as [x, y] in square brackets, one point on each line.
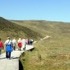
[8, 42]
[14, 42]
[23, 41]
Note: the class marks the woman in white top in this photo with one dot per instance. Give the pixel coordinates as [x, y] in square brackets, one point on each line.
[23, 44]
[14, 43]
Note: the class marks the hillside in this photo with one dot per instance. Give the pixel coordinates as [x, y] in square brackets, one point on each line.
[46, 27]
[49, 54]
[8, 28]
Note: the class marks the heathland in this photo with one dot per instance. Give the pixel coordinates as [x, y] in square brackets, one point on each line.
[51, 53]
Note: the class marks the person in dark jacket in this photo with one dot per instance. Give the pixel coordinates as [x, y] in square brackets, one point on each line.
[8, 47]
[1, 46]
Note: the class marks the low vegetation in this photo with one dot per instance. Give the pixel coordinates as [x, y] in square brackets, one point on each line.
[8, 28]
[52, 53]
[49, 54]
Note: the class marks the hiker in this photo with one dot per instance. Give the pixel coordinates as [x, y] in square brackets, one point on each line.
[8, 47]
[19, 44]
[23, 44]
[1, 46]
[31, 41]
[14, 43]
[27, 40]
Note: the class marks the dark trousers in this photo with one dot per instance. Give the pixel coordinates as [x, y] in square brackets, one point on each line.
[0, 51]
[8, 54]
[14, 47]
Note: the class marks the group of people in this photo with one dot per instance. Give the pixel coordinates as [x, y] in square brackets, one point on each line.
[10, 45]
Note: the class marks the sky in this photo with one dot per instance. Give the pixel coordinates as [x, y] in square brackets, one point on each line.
[51, 10]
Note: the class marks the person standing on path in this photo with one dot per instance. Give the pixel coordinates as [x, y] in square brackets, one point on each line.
[1, 46]
[19, 44]
[23, 44]
[14, 43]
[8, 47]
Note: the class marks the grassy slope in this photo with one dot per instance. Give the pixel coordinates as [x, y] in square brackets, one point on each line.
[34, 25]
[7, 28]
[52, 53]
[46, 27]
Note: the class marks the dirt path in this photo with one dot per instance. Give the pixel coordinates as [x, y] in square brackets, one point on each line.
[13, 63]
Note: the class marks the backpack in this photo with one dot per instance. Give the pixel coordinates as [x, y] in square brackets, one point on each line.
[19, 44]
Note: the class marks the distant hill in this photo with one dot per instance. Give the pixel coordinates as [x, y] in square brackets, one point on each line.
[8, 28]
[49, 54]
[45, 27]
[35, 29]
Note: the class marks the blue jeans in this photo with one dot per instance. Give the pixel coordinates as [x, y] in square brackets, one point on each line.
[8, 54]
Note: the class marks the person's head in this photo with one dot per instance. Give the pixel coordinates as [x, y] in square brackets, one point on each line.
[9, 38]
[19, 38]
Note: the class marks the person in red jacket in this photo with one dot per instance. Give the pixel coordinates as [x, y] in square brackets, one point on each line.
[1, 46]
[19, 44]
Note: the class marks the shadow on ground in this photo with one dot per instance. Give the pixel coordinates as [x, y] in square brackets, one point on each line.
[20, 66]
